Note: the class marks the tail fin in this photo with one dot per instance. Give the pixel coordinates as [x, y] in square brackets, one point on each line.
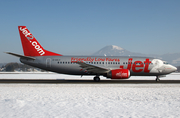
[31, 46]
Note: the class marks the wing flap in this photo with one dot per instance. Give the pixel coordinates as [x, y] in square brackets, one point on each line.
[92, 68]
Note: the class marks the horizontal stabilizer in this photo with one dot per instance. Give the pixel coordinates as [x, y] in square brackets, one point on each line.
[21, 56]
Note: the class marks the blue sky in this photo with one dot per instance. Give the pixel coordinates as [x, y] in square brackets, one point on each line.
[82, 27]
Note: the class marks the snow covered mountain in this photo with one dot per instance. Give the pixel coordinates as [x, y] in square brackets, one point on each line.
[112, 50]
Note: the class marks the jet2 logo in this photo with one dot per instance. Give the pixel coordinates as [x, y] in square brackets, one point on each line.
[30, 37]
[27, 34]
[120, 74]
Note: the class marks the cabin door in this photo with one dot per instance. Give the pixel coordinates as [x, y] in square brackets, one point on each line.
[48, 62]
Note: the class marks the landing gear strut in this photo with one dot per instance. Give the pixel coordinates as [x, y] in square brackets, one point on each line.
[157, 78]
[96, 79]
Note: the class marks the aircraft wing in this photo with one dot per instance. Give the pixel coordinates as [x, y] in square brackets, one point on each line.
[92, 68]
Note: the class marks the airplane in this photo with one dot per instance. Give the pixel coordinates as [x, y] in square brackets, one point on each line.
[112, 67]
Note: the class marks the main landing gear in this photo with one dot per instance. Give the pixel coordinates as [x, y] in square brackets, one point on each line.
[96, 79]
[157, 79]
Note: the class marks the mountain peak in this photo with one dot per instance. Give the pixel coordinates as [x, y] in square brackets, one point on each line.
[116, 47]
[112, 47]
[111, 50]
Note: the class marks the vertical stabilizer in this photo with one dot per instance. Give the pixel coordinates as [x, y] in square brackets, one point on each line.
[31, 46]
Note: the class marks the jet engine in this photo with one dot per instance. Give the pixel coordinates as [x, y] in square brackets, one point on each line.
[118, 74]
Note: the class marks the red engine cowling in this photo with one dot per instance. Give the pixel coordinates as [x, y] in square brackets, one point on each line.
[119, 74]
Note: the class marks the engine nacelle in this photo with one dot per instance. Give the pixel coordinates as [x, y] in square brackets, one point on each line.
[118, 74]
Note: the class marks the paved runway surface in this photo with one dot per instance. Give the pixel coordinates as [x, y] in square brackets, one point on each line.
[31, 81]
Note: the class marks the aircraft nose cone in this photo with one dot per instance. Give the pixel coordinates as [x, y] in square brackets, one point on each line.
[170, 69]
[174, 69]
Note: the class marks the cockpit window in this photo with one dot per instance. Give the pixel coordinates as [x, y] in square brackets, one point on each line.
[165, 62]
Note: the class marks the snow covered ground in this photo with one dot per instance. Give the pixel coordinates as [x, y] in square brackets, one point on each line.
[88, 100]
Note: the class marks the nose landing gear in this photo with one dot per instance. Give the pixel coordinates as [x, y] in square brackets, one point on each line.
[157, 79]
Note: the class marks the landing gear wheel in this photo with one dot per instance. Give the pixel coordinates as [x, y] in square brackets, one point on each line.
[157, 79]
[96, 79]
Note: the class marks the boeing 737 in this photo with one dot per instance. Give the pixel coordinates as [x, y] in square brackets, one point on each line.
[113, 67]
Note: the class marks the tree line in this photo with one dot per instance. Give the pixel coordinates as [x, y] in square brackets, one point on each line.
[11, 67]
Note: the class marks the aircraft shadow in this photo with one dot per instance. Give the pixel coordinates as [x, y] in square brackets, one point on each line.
[30, 81]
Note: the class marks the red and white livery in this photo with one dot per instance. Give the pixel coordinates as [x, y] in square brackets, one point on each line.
[113, 67]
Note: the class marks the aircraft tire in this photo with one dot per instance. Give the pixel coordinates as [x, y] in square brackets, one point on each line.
[157, 79]
[96, 79]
